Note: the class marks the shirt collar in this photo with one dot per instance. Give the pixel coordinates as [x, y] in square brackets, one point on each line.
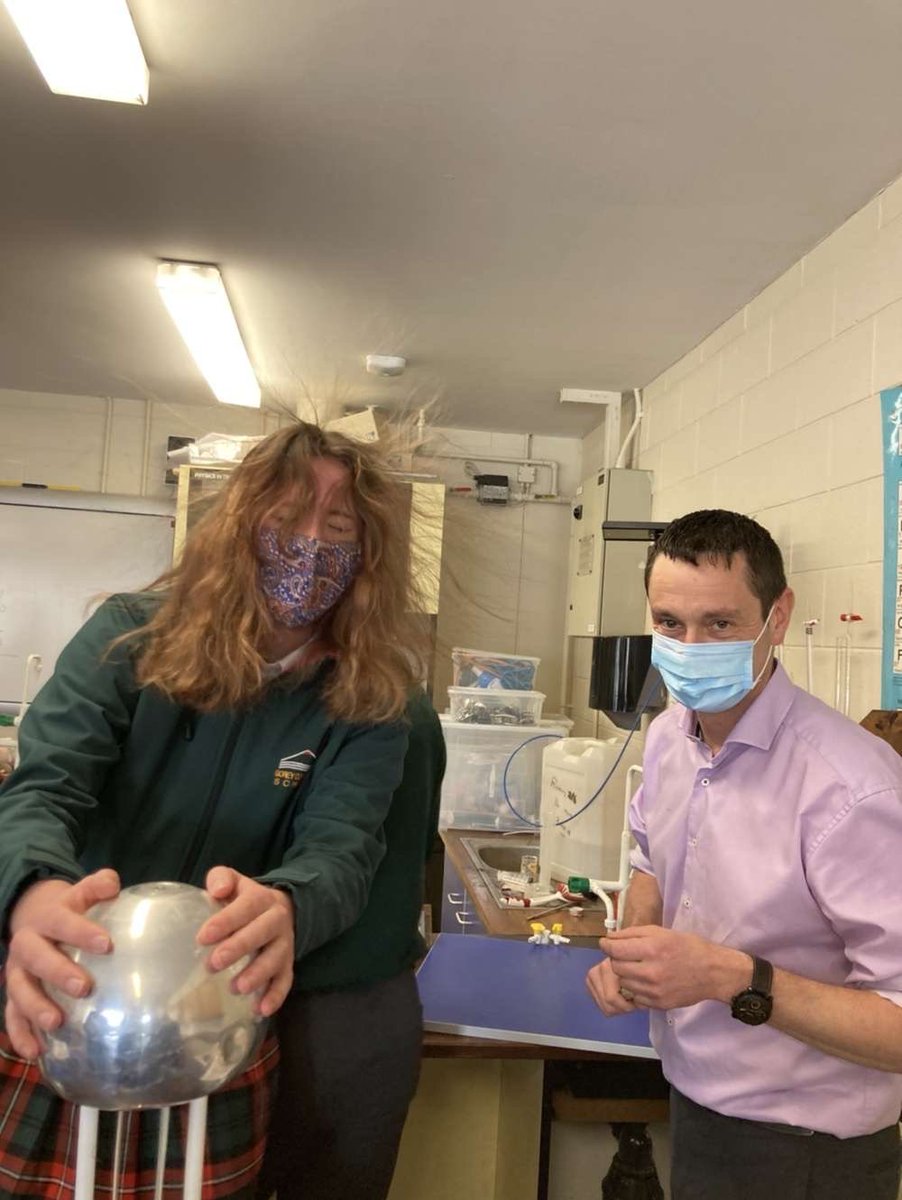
[759, 724]
[272, 670]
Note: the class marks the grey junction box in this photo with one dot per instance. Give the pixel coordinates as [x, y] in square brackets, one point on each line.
[610, 534]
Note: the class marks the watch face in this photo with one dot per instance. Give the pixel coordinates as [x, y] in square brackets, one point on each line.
[753, 1008]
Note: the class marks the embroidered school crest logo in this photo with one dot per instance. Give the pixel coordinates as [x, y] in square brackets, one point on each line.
[292, 769]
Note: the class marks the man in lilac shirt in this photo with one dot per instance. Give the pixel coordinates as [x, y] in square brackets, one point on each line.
[763, 922]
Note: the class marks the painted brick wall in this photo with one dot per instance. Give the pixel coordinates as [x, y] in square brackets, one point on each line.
[106, 445]
[776, 414]
[504, 569]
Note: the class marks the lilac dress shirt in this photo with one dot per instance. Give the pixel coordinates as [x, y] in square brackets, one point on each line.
[787, 843]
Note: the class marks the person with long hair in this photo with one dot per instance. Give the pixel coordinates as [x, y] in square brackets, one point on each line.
[242, 725]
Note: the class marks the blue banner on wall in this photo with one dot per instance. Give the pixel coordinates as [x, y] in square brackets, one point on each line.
[891, 424]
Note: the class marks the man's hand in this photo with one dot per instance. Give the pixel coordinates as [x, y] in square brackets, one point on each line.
[604, 988]
[47, 913]
[256, 920]
[664, 968]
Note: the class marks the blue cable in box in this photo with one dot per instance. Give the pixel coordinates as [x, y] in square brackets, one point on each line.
[494, 775]
[492, 669]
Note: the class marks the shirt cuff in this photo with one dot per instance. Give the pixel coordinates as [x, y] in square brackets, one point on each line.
[896, 997]
[640, 861]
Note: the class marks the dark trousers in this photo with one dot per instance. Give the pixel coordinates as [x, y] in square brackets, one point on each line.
[349, 1069]
[723, 1158]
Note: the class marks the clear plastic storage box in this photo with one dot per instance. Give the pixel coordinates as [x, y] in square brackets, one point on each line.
[489, 669]
[484, 706]
[473, 791]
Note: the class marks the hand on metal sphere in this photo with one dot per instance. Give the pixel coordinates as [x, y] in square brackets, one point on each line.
[49, 912]
[256, 920]
[159, 1027]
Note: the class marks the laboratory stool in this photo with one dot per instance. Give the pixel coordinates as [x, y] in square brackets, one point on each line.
[86, 1151]
[628, 1096]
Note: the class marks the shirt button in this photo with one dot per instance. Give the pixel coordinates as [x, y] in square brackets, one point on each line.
[693, 841]
[687, 903]
[705, 782]
[670, 1020]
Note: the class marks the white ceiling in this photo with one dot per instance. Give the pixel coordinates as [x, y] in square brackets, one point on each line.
[518, 195]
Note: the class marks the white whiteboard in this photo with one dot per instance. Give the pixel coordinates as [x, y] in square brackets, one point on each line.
[61, 553]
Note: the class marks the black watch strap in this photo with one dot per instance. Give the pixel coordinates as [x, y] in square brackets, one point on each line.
[754, 1004]
[762, 976]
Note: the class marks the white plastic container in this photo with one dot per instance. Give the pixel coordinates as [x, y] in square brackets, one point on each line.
[473, 787]
[491, 669]
[572, 771]
[483, 706]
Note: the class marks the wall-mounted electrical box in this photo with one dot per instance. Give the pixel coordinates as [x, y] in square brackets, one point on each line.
[610, 534]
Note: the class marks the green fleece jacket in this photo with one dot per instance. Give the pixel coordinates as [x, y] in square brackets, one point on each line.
[112, 774]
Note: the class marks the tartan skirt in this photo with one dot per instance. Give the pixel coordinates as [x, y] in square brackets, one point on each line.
[38, 1134]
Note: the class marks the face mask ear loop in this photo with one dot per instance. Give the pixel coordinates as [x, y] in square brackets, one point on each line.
[770, 613]
[758, 639]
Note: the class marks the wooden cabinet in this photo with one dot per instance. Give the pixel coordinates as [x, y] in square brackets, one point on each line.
[459, 913]
[197, 487]
[473, 1131]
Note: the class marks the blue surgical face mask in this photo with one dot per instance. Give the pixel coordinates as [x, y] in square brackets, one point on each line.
[708, 677]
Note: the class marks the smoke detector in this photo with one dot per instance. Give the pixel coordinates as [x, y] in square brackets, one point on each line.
[385, 364]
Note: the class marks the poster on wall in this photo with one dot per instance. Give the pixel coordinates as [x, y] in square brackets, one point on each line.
[891, 424]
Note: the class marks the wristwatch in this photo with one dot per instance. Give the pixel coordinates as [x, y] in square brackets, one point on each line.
[755, 1003]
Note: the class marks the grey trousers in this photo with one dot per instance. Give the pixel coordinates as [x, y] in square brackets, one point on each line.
[722, 1158]
[349, 1068]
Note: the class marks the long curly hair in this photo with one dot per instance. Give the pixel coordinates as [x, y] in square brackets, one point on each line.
[202, 647]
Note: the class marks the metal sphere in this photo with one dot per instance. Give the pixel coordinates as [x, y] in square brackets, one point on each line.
[158, 1027]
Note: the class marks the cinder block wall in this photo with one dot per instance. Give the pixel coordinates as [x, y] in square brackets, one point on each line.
[504, 569]
[777, 414]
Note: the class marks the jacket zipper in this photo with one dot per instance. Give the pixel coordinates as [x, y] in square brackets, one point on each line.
[193, 854]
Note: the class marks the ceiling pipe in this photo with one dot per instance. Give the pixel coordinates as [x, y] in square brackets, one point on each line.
[637, 421]
[520, 462]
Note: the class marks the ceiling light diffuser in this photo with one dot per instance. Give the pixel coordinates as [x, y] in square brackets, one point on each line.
[84, 47]
[196, 299]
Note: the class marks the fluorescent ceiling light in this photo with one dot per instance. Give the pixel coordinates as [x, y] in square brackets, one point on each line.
[84, 47]
[196, 298]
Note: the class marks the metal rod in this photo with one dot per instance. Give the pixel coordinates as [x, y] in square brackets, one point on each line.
[162, 1146]
[194, 1152]
[107, 443]
[117, 1155]
[145, 462]
[841, 682]
[86, 1153]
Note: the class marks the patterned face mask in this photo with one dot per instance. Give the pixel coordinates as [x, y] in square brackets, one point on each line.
[306, 578]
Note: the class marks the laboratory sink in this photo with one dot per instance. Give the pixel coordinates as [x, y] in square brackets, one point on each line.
[500, 855]
[491, 854]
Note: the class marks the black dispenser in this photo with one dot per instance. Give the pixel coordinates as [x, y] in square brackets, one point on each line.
[620, 667]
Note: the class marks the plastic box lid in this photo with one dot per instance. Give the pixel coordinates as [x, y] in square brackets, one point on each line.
[460, 650]
[493, 670]
[515, 708]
